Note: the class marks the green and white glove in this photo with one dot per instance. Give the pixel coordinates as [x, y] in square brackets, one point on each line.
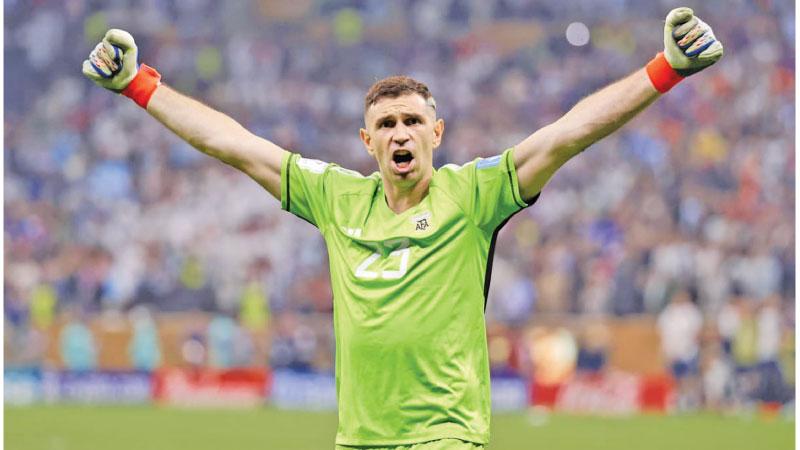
[689, 47]
[689, 43]
[113, 65]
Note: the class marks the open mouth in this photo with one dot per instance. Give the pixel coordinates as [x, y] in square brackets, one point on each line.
[402, 160]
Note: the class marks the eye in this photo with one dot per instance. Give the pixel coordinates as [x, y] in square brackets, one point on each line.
[412, 121]
[387, 124]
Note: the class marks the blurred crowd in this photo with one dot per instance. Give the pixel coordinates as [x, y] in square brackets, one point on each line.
[105, 210]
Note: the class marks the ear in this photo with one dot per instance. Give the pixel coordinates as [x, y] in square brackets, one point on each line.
[438, 132]
[367, 140]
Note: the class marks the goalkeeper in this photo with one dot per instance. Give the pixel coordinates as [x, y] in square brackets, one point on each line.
[412, 368]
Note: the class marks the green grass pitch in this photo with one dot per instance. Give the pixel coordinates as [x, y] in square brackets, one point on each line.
[149, 428]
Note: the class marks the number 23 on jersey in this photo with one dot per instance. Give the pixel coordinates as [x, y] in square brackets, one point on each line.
[392, 267]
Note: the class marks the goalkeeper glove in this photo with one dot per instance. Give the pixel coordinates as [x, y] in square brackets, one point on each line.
[689, 47]
[113, 65]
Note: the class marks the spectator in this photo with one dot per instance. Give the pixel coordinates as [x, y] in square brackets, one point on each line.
[770, 330]
[717, 378]
[745, 355]
[680, 325]
[593, 343]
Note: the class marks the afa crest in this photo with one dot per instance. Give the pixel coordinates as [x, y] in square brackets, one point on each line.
[422, 221]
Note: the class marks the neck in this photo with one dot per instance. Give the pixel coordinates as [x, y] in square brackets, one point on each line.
[401, 198]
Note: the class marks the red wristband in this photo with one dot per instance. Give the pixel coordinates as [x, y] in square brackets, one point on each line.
[661, 74]
[141, 88]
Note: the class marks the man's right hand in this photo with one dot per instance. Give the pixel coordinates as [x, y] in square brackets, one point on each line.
[112, 64]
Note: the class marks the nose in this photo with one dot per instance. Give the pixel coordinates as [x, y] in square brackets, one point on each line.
[401, 135]
[400, 140]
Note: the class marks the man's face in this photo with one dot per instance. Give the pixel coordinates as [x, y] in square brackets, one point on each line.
[401, 134]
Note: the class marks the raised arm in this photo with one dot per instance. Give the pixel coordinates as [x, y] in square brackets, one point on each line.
[689, 46]
[218, 135]
[539, 156]
[113, 66]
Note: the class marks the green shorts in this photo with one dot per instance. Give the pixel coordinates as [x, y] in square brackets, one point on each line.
[439, 444]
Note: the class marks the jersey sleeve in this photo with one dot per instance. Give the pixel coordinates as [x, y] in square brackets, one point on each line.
[495, 195]
[303, 188]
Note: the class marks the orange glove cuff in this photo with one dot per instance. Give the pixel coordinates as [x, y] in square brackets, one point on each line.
[661, 74]
[141, 88]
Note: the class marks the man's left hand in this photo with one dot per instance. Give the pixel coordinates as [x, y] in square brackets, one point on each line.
[689, 43]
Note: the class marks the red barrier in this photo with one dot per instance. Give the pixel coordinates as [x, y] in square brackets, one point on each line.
[657, 393]
[211, 388]
[611, 392]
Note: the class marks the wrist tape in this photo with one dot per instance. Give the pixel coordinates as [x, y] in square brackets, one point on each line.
[661, 74]
[141, 88]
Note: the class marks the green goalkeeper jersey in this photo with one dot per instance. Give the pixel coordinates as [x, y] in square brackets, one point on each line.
[409, 293]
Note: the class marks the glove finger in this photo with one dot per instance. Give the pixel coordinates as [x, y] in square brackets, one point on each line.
[129, 57]
[96, 48]
[712, 53]
[120, 38]
[693, 35]
[700, 45]
[682, 29]
[678, 16]
[100, 62]
[113, 52]
[111, 56]
[89, 70]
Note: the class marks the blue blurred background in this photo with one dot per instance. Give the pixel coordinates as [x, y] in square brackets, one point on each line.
[664, 252]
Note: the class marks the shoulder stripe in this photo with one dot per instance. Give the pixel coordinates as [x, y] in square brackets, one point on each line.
[485, 163]
[288, 180]
[487, 278]
[514, 191]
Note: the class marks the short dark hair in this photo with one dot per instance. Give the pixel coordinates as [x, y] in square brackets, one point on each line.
[394, 87]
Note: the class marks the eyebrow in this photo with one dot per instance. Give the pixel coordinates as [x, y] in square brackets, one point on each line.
[380, 119]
